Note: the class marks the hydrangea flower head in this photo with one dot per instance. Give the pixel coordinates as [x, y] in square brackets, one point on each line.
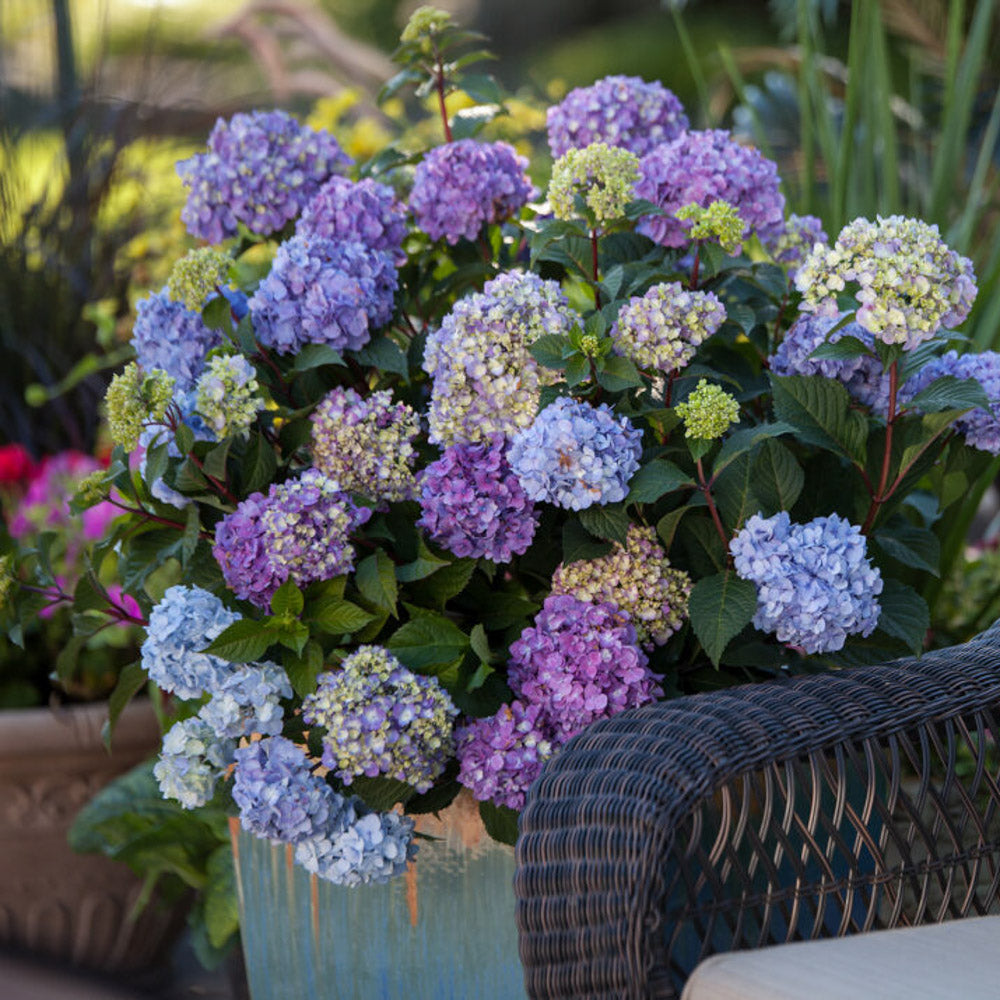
[184, 622]
[795, 242]
[638, 579]
[815, 584]
[248, 701]
[473, 505]
[133, 399]
[322, 291]
[720, 221]
[364, 212]
[485, 380]
[260, 169]
[227, 395]
[603, 175]
[462, 186]
[192, 760]
[579, 662]
[169, 336]
[424, 22]
[703, 167]
[575, 455]
[242, 552]
[366, 444]
[910, 284]
[619, 111]
[500, 757]
[708, 412]
[663, 328]
[198, 276]
[381, 718]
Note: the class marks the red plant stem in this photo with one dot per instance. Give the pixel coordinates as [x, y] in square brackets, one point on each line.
[56, 595]
[880, 496]
[693, 284]
[668, 394]
[439, 86]
[269, 361]
[217, 485]
[593, 255]
[706, 488]
[150, 516]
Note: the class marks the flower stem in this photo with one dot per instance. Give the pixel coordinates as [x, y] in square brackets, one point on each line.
[693, 283]
[882, 494]
[593, 255]
[439, 86]
[706, 488]
[149, 516]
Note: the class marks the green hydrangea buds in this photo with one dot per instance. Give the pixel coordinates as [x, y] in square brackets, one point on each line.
[424, 22]
[227, 395]
[7, 580]
[708, 412]
[197, 276]
[604, 175]
[720, 221]
[590, 345]
[133, 399]
[92, 489]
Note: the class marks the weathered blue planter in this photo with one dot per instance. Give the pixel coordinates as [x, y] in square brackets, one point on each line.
[443, 932]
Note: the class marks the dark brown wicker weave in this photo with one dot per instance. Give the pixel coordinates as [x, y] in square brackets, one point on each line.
[816, 807]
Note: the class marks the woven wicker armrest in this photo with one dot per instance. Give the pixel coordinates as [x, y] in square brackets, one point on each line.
[815, 807]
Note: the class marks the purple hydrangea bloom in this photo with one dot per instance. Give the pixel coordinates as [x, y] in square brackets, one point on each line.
[278, 795]
[580, 661]
[192, 761]
[704, 167]
[169, 336]
[322, 291]
[575, 455]
[501, 756]
[980, 428]
[795, 241]
[473, 504]
[381, 718]
[260, 169]
[248, 701]
[242, 553]
[185, 621]
[815, 585]
[364, 212]
[360, 847]
[619, 111]
[862, 376]
[462, 186]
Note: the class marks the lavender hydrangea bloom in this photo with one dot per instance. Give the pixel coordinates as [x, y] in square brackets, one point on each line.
[485, 380]
[795, 241]
[501, 756]
[702, 167]
[191, 762]
[575, 455]
[248, 701]
[473, 505]
[862, 376]
[364, 212]
[815, 585]
[619, 111]
[278, 796]
[260, 169]
[360, 848]
[242, 553]
[381, 718]
[168, 336]
[322, 291]
[979, 427]
[185, 621]
[462, 186]
[580, 662]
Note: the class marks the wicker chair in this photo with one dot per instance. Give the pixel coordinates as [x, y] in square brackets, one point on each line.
[814, 807]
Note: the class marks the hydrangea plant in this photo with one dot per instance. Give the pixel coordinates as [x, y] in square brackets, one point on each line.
[471, 463]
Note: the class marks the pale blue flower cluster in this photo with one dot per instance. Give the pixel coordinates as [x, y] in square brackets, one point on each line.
[191, 762]
[248, 701]
[169, 336]
[260, 169]
[575, 455]
[618, 111]
[228, 395]
[182, 624]
[485, 381]
[381, 718]
[323, 291]
[462, 186]
[815, 584]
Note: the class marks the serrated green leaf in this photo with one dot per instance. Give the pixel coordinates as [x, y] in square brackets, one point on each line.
[667, 526]
[315, 355]
[381, 794]
[303, 668]
[904, 614]
[616, 374]
[384, 354]
[845, 348]
[482, 88]
[910, 545]
[742, 315]
[429, 643]
[480, 644]
[259, 466]
[184, 438]
[376, 579]
[447, 582]
[191, 535]
[820, 410]
[292, 635]
[734, 492]
[577, 370]
[244, 641]
[656, 479]
[214, 462]
[469, 122]
[777, 477]
[217, 314]
[551, 350]
[608, 521]
[423, 566]
[578, 543]
[745, 439]
[287, 601]
[500, 822]
[338, 617]
[950, 393]
[720, 607]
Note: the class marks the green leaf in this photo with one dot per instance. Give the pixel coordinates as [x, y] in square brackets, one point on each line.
[745, 439]
[500, 822]
[577, 370]
[734, 492]
[214, 462]
[244, 641]
[403, 78]
[480, 644]
[578, 543]
[131, 680]
[470, 121]
[904, 614]
[429, 643]
[338, 617]
[304, 668]
[910, 545]
[720, 607]
[221, 907]
[482, 88]
[608, 521]
[287, 601]
[551, 350]
[950, 393]
[316, 355]
[654, 480]
[384, 354]
[217, 314]
[423, 566]
[184, 438]
[259, 466]
[845, 348]
[616, 374]
[192, 532]
[381, 794]
[441, 586]
[820, 410]
[667, 526]
[292, 634]
[743, 316]
[777, 477]
[376, 579]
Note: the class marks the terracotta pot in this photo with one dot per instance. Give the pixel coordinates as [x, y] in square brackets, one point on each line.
[75, 908]
[444, 931]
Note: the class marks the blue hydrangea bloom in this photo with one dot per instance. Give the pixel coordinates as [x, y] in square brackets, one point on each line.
[248, 701]
[169, 336]
[322, 291]
[815, 584]
[575, 455]
[185, 621]
[191, 762]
